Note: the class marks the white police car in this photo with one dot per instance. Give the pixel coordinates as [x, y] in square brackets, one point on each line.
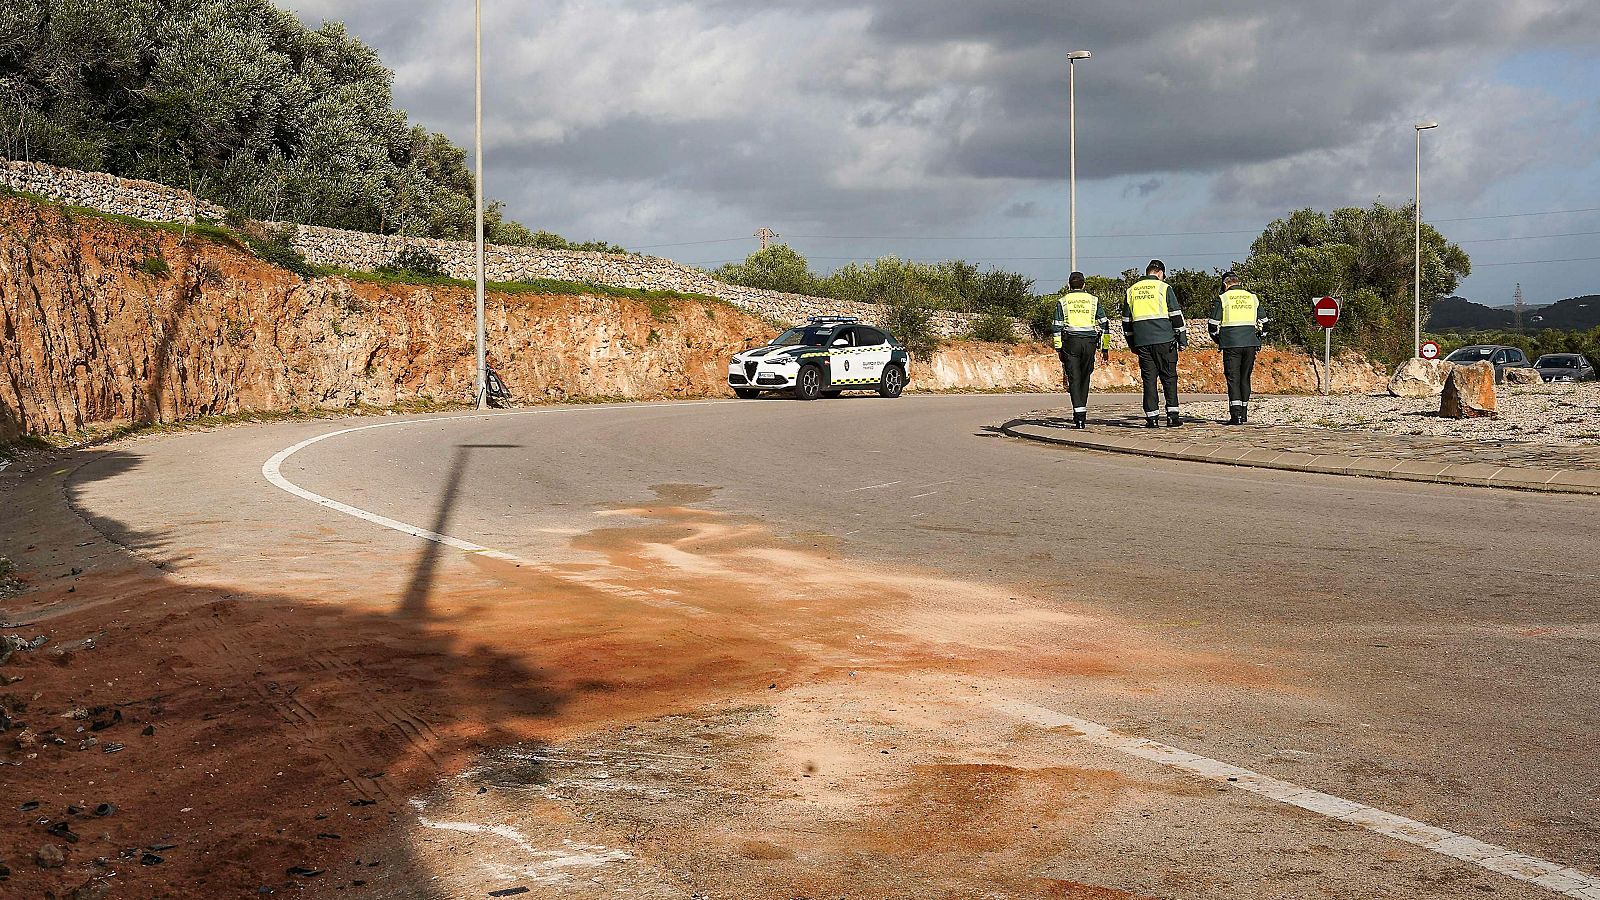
[823, 358]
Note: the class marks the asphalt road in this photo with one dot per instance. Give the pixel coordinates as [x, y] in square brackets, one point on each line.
[1428, 650]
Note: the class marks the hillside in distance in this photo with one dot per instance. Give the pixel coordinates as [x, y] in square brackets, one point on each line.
[1461, 314]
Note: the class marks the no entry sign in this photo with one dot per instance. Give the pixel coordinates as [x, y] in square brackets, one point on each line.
[1326, 311]
[1429, 350]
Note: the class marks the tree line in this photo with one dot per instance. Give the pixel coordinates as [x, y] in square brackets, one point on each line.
[241, 103]
[1364, 255]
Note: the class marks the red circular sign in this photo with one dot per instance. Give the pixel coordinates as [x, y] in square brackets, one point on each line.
[1326, 311]
[1429, 350]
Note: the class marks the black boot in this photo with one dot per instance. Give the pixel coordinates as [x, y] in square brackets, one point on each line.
[1233, 415]
[1244, 415]
[1174, 420]
[1080, 420]
[1150, 421]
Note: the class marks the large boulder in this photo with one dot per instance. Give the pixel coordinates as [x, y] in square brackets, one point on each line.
[1419, 379]
[1523, 376]
[1468, 392]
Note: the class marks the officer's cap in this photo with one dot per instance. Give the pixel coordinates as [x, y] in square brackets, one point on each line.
[1075, 280]
[1156, 265]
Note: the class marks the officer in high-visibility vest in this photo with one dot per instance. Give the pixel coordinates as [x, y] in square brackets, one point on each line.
[1080, 327]
[1153, 322]
[1237, 324]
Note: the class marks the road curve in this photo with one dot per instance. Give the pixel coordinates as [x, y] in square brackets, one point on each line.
[1427, 650]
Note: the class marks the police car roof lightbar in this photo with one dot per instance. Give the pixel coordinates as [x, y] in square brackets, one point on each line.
[832, 320]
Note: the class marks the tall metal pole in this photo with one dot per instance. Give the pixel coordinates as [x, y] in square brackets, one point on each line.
[1072, 103]
[1416, 339]
[477, 39]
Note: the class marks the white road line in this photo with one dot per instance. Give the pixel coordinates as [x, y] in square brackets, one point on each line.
[920, 496]
[872, 487]
[272, 470]
[1563, 880]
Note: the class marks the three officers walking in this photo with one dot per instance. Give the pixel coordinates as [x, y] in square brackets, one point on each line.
[1152, 320]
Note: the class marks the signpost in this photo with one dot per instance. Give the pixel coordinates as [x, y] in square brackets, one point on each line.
[1326, 311]
[1428, 350]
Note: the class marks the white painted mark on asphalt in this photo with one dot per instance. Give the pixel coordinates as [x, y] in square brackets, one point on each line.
[272, 470]
[872, 487]
[1561, 879]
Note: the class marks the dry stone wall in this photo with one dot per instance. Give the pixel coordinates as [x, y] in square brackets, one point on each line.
[364, 252]
[107, 193]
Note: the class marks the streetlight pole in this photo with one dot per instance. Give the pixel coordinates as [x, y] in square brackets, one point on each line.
[1072, 115]
[477, 40]
[1416, 341]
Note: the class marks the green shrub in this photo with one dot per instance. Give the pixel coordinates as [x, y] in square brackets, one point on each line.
[994, 327]
[414, 261]
[908, 314]
[277, 248]
[155, 265]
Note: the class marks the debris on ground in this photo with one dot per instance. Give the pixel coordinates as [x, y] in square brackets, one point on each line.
[1557, 415]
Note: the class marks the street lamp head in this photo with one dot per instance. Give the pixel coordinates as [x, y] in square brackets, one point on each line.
[1078, 54]
[1423, 126]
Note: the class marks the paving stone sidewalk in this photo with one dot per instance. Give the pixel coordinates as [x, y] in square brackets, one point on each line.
[1509, 464]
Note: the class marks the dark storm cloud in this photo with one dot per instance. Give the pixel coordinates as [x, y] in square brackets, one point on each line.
[885, 113]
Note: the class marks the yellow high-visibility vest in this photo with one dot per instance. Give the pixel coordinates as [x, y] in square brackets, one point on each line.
[1240, 307]
[1147, 300]
[1077, 311]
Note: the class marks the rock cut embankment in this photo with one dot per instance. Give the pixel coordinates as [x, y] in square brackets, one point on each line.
[103, 323]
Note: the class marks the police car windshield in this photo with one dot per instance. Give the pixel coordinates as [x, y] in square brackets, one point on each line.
[808, 337]
[1558, 362]
[1470, 354]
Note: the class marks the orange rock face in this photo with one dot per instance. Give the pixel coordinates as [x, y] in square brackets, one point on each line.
[88, 337]
[1468, 392]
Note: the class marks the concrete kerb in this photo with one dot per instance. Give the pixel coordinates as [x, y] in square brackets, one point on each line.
[1563, 481]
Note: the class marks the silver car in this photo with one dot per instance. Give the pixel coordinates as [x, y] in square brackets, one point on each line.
[1565, 367]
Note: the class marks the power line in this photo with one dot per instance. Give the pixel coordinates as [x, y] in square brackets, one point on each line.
[1536, 262]
[691, 243]
[1152, 234]
[1548, 212]
[1529, 237]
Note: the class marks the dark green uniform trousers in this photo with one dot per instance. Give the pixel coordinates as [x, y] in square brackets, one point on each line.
[1158, 363]
[1238, 365]
[1077, 365]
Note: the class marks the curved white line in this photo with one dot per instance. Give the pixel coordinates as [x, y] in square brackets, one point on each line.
[272, 470]
[1563, 880]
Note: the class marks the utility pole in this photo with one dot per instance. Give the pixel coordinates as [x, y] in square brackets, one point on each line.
[767, 236]
[1072, 129]
[477, 41]
[1519, 305]
[1416, 341]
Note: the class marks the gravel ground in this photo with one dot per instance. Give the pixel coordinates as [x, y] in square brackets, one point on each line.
[1553, 414]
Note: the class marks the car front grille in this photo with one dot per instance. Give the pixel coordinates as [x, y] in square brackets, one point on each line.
[750, 369]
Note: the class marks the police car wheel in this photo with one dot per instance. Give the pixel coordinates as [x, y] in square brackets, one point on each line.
[832, 393]
[808, 384]
[893, 382]
[746, 393]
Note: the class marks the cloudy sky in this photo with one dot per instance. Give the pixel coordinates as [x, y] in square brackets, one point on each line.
[934, 129]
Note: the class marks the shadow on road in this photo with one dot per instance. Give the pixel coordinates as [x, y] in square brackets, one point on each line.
[414, 601]
[255, 730]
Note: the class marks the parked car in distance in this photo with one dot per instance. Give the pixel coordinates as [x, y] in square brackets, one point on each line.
[1498, 355]
[1565, 367]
